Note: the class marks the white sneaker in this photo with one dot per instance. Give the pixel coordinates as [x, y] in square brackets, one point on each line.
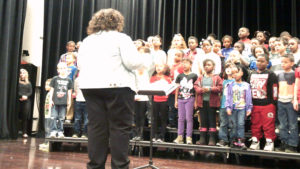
[178, 140]
[53, 134]
[44, 145]
[159, 140]
[255, 145]
[269, 145]
[68, 121]
[61, 135]
[189, 140]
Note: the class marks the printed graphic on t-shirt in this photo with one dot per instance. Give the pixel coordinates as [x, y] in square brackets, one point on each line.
[259, 86]
[186, 83]
[62, 88]
[185, 87]
[239, 96]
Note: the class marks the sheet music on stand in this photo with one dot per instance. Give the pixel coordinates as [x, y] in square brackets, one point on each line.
[161, 88]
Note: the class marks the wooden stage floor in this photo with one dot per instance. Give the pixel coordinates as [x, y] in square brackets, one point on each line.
[23, 154]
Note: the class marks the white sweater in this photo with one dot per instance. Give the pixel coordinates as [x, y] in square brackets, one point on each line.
[107, 59]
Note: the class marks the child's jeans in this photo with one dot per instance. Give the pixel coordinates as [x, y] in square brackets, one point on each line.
[224, 121]
[58, 114]
[48, 125]
[288, 123]
[80, 112]
[185, 112]
[237, 124]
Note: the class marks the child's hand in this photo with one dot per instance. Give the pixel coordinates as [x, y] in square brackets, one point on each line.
[248, 113]
[295, 105]
[205, 89]
[50, 104]
[176, 105]
[24, 98]
[229, 112]
[195, 105]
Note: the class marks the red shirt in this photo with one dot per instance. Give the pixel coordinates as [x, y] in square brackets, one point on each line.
[177, 67]
[247, 40]
[191, 55]
[297, 75]
[155, 78]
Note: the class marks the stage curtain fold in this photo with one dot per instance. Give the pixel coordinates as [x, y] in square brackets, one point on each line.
[12, 17]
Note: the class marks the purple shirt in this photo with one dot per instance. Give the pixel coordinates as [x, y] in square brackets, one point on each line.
[239, 96]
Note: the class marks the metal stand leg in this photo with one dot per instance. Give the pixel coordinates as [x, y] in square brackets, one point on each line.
[150, 165]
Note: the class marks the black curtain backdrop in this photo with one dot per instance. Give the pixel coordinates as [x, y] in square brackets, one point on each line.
[67, 20]
[12, 17]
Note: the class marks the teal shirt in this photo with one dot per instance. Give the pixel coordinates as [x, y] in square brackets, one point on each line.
[225, 86]
[206, 82]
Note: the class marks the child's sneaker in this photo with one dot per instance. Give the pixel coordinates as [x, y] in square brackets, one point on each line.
[178, 140]
[74, 136]
[189, 140]
[222, 143]
[255, 145]
[53, 134]
[44, 145]
[68, 121]
[61, 135]
[159, 140]
[281, 147]
[290, 149]
[84, 136]
[241, 144]
[269, 145]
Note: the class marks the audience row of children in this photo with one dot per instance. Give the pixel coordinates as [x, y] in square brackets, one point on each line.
[200, 74]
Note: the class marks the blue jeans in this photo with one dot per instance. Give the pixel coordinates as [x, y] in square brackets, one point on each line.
[58, 114]
[224, 121]
[48, 125]
[288, 124]
[80, 112]
[237, 124]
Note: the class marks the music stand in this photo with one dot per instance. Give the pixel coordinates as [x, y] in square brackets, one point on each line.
[150, 92]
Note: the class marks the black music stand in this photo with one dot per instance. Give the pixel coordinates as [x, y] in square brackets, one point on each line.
[150, 93]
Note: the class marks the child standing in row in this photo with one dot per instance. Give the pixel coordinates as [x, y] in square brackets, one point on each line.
[230, 70]
[185, 101]
[60, 98]
[238, 104]
[208, 88]
[70, 47]
[174, 72]
[264, 96]
[72, 69]
[287, 116]
[80, 111]
[160, 104]
[227, 42]
[47, 115]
